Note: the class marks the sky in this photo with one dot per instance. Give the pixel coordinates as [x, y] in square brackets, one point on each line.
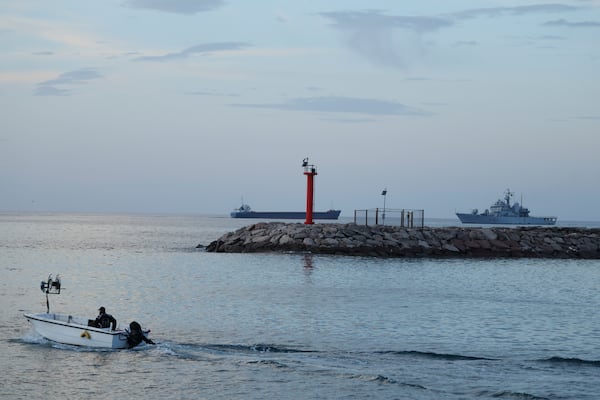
[183, 106]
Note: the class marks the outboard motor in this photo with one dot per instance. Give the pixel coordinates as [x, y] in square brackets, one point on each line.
[136, 335]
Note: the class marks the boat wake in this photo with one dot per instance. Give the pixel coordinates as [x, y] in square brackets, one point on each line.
[193, 351]
[256, 348]
[421, 354]
[274, 349]
[507, 394]
[386, 370]
[208, 351]
[572, 361]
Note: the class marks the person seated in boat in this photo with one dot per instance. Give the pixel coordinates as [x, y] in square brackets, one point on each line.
[104, 320]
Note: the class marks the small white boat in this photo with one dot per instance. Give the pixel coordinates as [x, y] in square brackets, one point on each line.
[74, 330]
[80, 331]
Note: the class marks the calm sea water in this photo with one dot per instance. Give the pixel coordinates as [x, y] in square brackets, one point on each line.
[280, 326]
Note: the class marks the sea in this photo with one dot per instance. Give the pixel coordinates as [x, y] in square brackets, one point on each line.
[289, 325]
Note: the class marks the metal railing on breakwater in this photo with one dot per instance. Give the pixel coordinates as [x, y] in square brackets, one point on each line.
[390, 216]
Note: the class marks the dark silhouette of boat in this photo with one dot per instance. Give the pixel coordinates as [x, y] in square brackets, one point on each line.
[246, 212]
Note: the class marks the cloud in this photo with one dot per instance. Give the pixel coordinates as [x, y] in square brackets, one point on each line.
[77, 77]
[205, 93]
[51, 91]
[62, 34]
[568, 24]
[466, 43]
[417, 78]
[281, 17]
[176, 6]
[206, 48]
[350, 120]
[372, 34]
[73, 77]
[375, 20]
[335, 104]
[551, 37]
[494, 12]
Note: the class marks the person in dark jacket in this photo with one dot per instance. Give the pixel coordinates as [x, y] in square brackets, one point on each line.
[104, 320]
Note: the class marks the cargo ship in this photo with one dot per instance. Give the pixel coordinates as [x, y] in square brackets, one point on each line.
[244, 211]
[502, 212]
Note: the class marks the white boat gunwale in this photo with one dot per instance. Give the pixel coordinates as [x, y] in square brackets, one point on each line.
[45, 317]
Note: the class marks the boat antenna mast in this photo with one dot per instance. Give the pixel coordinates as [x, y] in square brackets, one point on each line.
[51, 286]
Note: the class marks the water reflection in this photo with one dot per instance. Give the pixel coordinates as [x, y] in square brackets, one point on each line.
[308, 262]
[308, 267]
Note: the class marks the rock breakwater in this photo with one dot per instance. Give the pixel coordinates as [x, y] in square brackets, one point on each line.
[391, 241]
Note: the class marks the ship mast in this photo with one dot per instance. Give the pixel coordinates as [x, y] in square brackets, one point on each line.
[507, 197]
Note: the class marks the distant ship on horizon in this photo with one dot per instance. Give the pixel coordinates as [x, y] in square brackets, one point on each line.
[244, 211]
[502, 212]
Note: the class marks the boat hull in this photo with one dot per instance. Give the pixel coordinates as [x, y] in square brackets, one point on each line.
[73, 330]
[466, 218]
[331, 214]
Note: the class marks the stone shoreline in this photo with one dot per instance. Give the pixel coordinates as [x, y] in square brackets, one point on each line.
[392, 241]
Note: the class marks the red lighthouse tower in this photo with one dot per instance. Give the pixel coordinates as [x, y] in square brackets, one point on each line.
[310, 171]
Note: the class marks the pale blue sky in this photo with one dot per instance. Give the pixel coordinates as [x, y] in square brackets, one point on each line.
[186, 106]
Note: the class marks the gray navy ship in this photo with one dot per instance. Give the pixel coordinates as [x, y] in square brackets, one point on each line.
[502, 212]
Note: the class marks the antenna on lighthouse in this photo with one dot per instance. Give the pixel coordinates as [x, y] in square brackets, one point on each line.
[310, 171]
